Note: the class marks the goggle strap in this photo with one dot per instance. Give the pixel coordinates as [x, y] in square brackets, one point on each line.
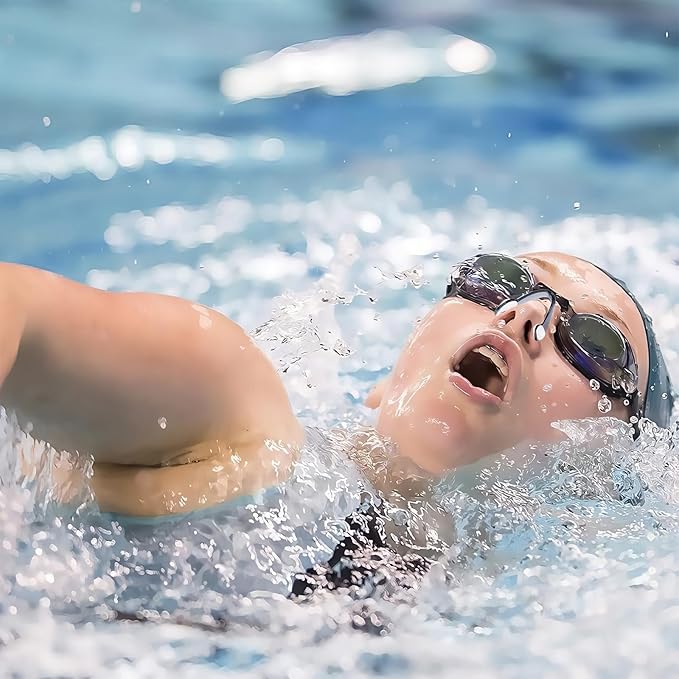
[451, 287]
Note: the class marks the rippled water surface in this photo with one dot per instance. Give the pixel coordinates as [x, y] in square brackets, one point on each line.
[320, 201]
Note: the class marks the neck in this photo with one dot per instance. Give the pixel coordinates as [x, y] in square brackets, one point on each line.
[413, 519]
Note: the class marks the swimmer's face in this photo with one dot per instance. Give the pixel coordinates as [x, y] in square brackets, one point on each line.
[435, 422]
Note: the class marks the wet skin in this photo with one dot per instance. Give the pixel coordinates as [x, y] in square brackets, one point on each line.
[431, 416]
[180, 409]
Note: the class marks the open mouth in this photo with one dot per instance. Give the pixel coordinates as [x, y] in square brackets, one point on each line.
[485, 368]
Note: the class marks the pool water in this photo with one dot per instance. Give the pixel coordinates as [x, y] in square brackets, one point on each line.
[320, 202]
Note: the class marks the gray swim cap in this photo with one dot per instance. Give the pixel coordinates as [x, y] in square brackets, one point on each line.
[657, 402]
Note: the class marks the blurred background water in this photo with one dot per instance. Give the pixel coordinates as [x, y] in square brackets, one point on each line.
[580, 107]
[172, 146]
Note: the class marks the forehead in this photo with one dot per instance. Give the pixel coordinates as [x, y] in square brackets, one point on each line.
[591, 291]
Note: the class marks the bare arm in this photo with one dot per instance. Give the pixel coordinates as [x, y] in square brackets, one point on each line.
[134, 379]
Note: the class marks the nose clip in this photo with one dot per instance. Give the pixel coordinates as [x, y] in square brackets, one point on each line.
[539, 331]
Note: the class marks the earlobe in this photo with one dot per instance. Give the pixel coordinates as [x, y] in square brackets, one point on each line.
[374, 398]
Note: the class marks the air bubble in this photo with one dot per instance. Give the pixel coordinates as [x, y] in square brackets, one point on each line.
[626, 402]
[634, 419]
[594, 384]
[664, 396]
[547, 387]
[162, 422]
[604, 404]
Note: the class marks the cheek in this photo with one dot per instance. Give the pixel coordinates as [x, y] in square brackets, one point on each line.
[560, 392]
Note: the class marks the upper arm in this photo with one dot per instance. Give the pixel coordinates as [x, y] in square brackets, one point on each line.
[133, 378]
[12, 320]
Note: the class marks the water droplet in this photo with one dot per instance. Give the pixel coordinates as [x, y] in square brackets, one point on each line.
[543, 408]
[594, 384]
[162, 422]
[46, 121]
[341, 348]
[414, 276]
[634, 419]
[547, 387]
[664, 396]
[576, 205]
[604, 404]
[501, 323]
[626, 402]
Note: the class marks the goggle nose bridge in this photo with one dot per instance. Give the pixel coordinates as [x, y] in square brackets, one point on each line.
[540, 330]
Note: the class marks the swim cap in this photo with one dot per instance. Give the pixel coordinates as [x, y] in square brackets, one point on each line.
[658, 401]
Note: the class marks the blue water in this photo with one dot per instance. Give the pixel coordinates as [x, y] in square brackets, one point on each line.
[125, 162]
[588, 95]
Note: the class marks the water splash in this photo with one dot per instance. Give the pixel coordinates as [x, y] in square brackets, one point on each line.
[547, 546]
[518, 555]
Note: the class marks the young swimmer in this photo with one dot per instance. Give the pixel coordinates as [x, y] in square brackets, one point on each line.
[181, 410]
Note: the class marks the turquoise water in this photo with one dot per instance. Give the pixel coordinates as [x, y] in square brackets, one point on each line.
[144, 145]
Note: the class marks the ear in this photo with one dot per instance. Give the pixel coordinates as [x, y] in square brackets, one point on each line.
[374, 398]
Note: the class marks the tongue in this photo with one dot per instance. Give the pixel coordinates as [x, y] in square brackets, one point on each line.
[494, 385]
[481, 372]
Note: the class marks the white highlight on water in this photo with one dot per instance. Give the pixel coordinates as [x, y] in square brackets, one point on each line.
[131, 147]
[348, 64]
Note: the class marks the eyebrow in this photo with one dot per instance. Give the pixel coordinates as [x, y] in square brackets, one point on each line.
[606, 310]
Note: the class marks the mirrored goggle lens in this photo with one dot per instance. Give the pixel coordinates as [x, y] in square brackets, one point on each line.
[495, 278]
[597, 337]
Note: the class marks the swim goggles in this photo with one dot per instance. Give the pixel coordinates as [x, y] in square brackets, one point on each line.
[589, 342]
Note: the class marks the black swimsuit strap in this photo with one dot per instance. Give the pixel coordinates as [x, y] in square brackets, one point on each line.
[358, 558]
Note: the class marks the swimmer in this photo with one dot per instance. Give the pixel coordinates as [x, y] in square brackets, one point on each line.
[180, 410]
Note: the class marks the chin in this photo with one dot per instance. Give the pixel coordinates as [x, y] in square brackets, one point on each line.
[438, 429]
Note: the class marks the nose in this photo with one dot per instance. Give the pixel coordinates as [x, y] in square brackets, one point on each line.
[528, 322]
